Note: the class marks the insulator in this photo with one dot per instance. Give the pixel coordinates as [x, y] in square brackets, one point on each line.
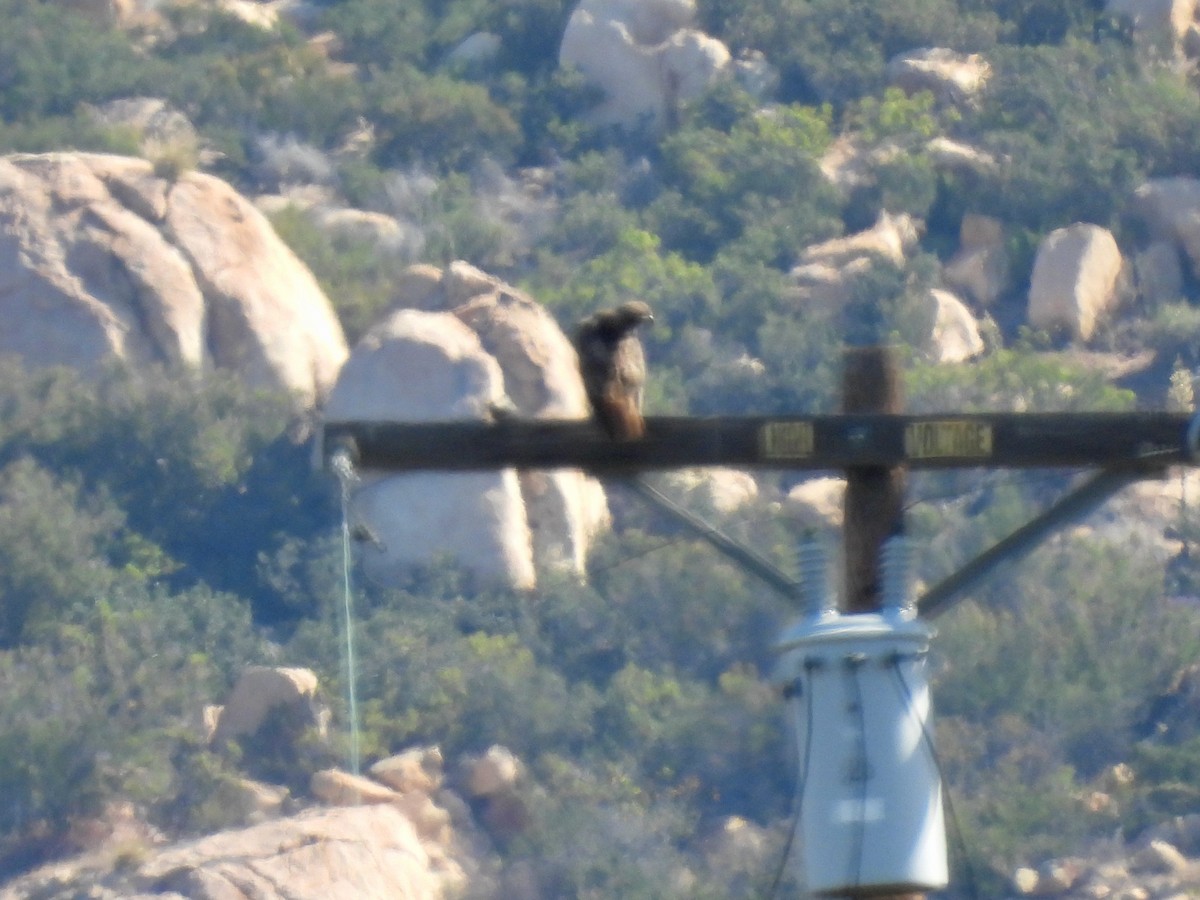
[896, 573]
[814, 578]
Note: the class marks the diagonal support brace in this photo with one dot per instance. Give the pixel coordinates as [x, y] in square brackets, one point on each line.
[1077, 502]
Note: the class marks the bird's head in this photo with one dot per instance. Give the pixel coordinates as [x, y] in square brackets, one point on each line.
[634, 313]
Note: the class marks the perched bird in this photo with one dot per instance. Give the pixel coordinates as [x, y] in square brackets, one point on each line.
[614, 368]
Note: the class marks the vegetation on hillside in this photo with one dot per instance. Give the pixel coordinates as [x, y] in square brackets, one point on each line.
[160, 531]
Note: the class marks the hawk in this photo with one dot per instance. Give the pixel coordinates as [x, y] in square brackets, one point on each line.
[614, 368]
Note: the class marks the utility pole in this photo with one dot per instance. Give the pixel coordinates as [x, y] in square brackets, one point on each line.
[871, 440]
[874, 504]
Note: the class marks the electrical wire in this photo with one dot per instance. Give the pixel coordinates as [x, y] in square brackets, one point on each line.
[972, 883]
[810, 665]
[344, 470]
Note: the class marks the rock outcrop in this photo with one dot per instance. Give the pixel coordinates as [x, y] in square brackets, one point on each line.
[645, 56]
[420, 366]
[474, 349]
[720, 490]
[1162, 864]
[817, 503]
[359, 852]
[259, 691]
[102, 259]
[950, 76]
[956, 336]
[1074, 281]
[980, 267]
[826, 272]
[1171, 209]
[402, 838]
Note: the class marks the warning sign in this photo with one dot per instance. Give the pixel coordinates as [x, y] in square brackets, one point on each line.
[786, 440]
[950, 438]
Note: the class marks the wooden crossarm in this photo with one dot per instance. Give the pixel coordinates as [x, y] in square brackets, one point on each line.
[948, 440]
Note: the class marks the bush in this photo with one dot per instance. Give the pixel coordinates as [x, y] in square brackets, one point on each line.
[439, 122]
[834, 52]
[55, 62]
[203, 469]
[107, 691]
[1017, 379]
[1074, 125]
[761, 173]
[1043, 685]
[635, 265]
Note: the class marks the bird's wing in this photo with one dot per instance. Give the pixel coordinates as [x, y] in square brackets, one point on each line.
[618, 413]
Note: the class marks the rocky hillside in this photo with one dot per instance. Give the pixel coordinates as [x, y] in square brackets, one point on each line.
[380, 210]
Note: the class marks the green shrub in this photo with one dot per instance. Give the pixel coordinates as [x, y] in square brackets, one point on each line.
[1012, 380]
[55, 62]
[438, 121]
[103, 697]
[761, 172]
[357, 276]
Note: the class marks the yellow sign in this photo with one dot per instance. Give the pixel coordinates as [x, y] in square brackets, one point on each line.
[786, 440]
[936, 440]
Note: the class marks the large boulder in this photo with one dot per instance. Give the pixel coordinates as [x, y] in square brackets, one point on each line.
[817, 502]
[102, 259]
[261, 690]
[551, 516]
[494, 784]
[950, 155]
[565, 508]
[644, 55]
[890, 239]
[1171, 209]
[539, 364]
[425, 366]
[1074, 281]
[494, 772]
[267, 14]
[720, 490]
[414, 769]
